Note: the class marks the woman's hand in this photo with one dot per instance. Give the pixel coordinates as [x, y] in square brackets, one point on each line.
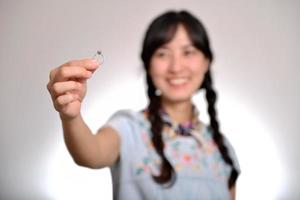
[67, 86]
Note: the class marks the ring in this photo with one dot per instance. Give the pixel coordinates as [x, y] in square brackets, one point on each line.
[99, 57]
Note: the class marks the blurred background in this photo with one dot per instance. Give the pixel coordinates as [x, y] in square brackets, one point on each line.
[256, 73]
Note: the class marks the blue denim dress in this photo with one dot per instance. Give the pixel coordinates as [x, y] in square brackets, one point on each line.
[201, 173]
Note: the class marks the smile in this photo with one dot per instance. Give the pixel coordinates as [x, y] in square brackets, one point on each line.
[178, 81]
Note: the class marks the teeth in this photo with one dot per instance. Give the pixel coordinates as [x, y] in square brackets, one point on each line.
[178, 81]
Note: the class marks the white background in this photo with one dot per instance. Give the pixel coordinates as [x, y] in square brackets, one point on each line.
[256, 73]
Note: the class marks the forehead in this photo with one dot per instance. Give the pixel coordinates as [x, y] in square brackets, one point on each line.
[180, 38]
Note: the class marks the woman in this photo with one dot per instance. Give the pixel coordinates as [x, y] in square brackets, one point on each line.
[164, 151]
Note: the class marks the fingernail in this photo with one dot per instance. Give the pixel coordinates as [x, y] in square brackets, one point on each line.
[95, 62]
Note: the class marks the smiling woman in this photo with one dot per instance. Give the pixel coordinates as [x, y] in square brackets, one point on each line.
[164, 151]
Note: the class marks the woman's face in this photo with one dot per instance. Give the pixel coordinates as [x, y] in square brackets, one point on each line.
[177, 68]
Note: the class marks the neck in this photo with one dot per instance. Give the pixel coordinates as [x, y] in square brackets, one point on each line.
[179, 112]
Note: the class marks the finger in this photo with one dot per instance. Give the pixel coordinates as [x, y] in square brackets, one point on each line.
[52, 74]
[63, 100]
[60, 88]
[74, 72]
[88, 63]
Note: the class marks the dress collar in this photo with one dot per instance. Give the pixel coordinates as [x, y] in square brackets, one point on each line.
[182, 129]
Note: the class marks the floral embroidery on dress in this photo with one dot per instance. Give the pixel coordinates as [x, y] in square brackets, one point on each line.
[144, 167]
[185, 153]
[150, 162]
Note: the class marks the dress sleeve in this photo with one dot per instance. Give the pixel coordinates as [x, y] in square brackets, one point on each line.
[123, 123]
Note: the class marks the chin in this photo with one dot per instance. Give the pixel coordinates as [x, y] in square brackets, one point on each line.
[177, 98]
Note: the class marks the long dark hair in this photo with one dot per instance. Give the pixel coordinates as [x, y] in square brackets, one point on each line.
[160, 32]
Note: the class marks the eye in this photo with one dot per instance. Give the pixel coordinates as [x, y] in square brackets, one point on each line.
[161, 53]
[189, 52]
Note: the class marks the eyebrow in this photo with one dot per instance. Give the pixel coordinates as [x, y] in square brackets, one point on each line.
[188, 46]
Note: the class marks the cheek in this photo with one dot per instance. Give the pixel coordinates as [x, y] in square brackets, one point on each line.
[157, 79]
[157, 69]
[199, 72]
[200, 66]
[156, 75]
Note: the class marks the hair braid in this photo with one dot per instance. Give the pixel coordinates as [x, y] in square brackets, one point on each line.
[211, 98]
[167, 170]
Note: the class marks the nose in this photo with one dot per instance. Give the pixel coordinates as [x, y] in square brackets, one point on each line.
[176, 64]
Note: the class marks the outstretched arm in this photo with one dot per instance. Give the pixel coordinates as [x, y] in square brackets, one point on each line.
[67, 87]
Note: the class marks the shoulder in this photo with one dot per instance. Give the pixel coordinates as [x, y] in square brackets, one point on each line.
[125, 113]
[128, 122]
